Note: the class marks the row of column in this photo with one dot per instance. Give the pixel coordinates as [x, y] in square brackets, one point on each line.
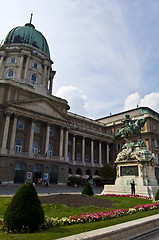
[92, 151]
[63, 143]
[31, 139]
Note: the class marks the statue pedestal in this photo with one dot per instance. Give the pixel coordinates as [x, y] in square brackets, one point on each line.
[136, 162]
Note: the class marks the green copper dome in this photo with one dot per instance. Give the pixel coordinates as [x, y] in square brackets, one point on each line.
[29, 35]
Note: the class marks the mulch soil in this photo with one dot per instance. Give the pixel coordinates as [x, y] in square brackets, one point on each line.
[76, 200]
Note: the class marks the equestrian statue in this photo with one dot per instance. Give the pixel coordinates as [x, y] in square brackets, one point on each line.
[131, 127]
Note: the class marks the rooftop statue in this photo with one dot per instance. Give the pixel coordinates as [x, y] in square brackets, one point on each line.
[131, 127]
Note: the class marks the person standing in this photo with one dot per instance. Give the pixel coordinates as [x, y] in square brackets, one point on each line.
[132, 187]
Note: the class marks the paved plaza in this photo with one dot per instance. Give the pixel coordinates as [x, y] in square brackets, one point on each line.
[11, 189]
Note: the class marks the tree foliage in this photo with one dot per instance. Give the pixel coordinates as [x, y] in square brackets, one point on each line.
[107, 172]
[87, 190]
[157, 195]
[24, 213]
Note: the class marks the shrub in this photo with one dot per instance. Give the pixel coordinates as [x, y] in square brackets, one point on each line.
[87, 190]
[24, 213]
[157, 195]
[76, 180]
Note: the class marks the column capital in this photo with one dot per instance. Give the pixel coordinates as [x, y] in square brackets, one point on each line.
[33, 120]
[16, 115]
[2, 53]
[48, 123]
[8, 113]
[23, 52]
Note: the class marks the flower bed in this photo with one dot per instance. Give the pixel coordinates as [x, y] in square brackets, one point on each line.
[99, 216]
[126, 195]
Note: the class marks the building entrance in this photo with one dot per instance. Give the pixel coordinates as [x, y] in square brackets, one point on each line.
[37, 174]
[19, 176]
[54, 174]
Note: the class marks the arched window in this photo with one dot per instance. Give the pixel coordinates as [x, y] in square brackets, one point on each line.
[79, 171]
[18, 145]
[12, 60]
[70, 156]
[10, 73]
[51, 132]
[87, 158]
[35, 65]
[19, 176]
[50, 151]
[88, 172]
[70, 171]
[78, 157]
[37, 128]
[34, 78]
[35, 149]
[20, 124]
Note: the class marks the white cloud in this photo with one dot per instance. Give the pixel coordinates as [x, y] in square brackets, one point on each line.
[131, 101]
[76, 99]
[150, 100]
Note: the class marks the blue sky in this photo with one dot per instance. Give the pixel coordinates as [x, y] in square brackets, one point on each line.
[105, 52]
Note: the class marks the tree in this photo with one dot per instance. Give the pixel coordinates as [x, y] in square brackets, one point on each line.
[24, 213]
[87, 190]
[107, 172]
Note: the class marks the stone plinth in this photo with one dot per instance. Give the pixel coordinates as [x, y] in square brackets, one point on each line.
[136, 162]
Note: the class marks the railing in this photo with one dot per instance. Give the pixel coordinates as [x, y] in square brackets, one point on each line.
[44, 157]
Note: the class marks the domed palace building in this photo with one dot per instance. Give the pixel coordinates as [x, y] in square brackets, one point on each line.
[38, 135]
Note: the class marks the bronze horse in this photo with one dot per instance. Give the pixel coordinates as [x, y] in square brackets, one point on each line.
[131, 127]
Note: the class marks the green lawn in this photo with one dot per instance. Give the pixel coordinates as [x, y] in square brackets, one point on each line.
[58, 210]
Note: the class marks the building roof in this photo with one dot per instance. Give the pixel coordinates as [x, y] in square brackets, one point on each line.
[28, 35]
[136, 112]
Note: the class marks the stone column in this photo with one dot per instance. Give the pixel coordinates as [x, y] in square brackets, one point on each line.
[2, 54]
[83, 150]
[52, 74]
[108, 149]
[50, 86]
[100, 153]
[13, 136]
[47, 77]
[73, 148]
[5, 133]
[45, 73]
[27, 66]
[20, 67]
[92, 152]
[47, 139]
[66, 145]
[61, 143]
[31, 137]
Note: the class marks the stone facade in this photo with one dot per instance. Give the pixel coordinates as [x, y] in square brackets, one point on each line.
[38, 135]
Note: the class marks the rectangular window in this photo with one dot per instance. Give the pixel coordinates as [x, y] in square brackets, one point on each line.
[35, 65]
[118, 146]
[155, 141]
[18, 148]
[50, 153]
[12, 60]
[70, 156]
[95, 159]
